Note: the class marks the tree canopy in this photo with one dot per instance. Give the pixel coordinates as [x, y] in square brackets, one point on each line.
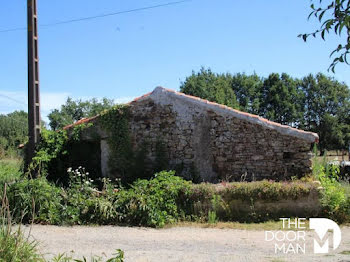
[211, 86]
[74, 110]
[13, 131]
[280, 99]
[326, 110]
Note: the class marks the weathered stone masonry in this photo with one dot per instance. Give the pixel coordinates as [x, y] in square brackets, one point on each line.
[220, 142]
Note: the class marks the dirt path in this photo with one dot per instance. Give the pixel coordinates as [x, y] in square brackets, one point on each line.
[174, 244]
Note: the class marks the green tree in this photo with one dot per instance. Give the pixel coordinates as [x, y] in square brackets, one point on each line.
[326, 110]
[211, 86]
[247, 89]
[334, 15]
[73, 111]
[330, 131]
[281, 100]
[13, 132]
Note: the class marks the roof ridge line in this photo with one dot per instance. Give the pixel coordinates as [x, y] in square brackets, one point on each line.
[255, 119]
[248, 116]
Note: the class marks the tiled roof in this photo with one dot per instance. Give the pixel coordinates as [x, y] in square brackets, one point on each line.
[81, 121]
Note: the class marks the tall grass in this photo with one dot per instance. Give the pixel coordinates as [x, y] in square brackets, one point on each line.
[14, 246]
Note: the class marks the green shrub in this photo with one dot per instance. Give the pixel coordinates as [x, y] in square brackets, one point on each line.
[152, 202]
[237, 201]
[10, 170]
[335, 195]
[16, 247]
[84, 204]
[166, 198]
[35, 200]
[59, 150]
[267, 190]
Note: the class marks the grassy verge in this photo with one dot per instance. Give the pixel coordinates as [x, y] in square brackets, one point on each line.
[268, 225]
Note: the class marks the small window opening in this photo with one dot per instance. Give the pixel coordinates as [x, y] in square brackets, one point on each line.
[287, 155]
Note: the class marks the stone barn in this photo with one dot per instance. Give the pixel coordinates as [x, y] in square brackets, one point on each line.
[211, 140]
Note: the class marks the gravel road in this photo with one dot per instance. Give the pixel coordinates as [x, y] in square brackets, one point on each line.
[175, 244]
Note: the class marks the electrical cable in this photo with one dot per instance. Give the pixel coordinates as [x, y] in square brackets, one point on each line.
[98, 16]
[15, 100]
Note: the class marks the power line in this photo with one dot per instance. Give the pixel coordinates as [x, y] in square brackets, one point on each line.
[15, 100]
[13, 29]
[99, 16]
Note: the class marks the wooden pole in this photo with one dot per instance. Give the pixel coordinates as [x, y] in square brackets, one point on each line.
[34, 120]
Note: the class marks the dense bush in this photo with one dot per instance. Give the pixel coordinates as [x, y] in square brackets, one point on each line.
[40, 201]
[84, 204]
[10, 170]
[335, 197]
[166, 198]
[152, 202]
[237, 201]
[267, 190]
[59, 150]
[35, 200]
[148, 202]
[16, 247]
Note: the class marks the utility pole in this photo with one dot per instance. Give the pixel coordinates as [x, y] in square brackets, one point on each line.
[34, 125]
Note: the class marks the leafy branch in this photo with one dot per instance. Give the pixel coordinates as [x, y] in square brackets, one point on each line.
[333, 16]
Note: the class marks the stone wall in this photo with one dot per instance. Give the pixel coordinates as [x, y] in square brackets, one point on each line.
[213, 141]
[242, 148]
[218, 147]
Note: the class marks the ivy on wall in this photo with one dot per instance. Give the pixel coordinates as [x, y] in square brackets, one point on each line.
[124, 161]
[116, 122]
[54, 151]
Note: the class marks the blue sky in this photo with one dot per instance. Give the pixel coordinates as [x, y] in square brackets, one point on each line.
[124, 56]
